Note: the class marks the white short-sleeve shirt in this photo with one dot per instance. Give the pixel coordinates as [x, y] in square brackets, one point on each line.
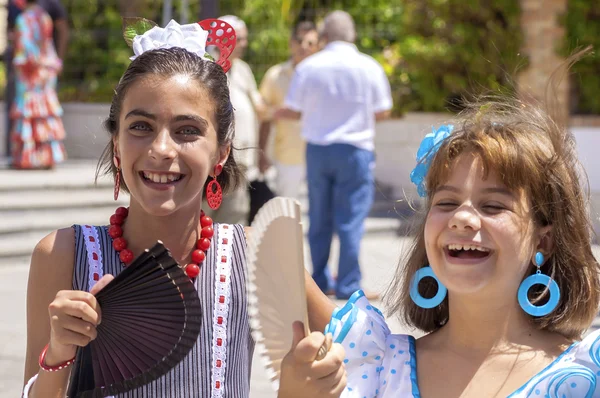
[338, 91]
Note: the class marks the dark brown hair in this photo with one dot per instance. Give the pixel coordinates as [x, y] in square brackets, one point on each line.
[166, 63]
[302, 28]
[533, 154]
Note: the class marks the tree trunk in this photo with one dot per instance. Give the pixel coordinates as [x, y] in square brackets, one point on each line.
[543, 32]
[130, 8]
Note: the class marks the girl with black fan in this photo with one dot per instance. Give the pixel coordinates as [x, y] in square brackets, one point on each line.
[171, 127]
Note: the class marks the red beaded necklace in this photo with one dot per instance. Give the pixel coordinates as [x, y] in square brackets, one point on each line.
[126, 256]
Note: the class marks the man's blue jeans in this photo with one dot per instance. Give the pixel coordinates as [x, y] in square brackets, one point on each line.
[340, 193]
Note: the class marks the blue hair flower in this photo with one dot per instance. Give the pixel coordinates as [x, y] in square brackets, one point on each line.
[429, 146]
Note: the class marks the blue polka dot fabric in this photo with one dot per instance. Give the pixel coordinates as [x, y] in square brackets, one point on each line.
[380, 364]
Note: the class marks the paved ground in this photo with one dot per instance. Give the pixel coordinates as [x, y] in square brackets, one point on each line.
[380, 255]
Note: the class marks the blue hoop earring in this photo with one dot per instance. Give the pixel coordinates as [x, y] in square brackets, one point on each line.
[538, 279]
[414, 289]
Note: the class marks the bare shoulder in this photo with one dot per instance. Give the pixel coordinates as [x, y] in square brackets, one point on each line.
[51, 271]
[53, 259]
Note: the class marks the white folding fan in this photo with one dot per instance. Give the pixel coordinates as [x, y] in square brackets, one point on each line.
[276, 290]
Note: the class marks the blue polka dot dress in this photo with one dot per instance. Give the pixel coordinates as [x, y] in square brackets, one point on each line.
[383, 365]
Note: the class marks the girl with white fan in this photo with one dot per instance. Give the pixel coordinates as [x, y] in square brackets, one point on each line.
[501, 277]
[171, 129]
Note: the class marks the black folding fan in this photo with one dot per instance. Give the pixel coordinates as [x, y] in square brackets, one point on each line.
[151, 319]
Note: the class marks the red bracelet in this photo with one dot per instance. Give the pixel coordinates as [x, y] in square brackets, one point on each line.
[60, 366]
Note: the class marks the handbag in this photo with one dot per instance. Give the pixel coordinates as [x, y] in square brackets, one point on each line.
[259, 193]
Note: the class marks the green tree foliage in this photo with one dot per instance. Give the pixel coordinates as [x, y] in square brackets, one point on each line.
[98, 54]
[432, 50]
[582, 23]
[448, 48]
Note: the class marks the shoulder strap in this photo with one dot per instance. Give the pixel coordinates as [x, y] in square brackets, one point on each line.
[94, 255]
[221, 308]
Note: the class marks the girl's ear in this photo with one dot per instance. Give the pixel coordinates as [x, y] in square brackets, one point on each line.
[115, 142]
[224, 152]
[545, 241]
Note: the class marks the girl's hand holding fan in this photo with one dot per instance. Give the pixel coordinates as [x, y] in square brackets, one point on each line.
[277, 299]
[303, 376]
[74, 316]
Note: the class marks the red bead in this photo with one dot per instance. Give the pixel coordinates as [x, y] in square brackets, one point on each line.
[120, 244]
[225, 241]
[218, 384]
[126, 256]
[220, 320]
[198, 256]
[203, 244]
[116, 219]
[223, 259]
[206, 221]
[96, 276]
[115, 231]
[95, 256]
[122, 211]
[218, 363]
[207, 232]
[222, 278]
[222, 299]
[219, 341]
[192, 270]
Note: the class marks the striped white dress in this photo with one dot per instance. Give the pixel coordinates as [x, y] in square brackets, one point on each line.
[194, 375]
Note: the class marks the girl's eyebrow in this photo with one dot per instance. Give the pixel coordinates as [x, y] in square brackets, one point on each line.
[178, 118]
[450, 188]
[499, 190]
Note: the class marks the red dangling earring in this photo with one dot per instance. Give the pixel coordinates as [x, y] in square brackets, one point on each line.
[117, 177]
[214, 197]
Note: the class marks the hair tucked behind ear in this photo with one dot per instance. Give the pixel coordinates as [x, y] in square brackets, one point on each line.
[166, 63]
[530, 152]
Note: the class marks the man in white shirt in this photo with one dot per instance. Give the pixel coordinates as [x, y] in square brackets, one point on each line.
[338, 94]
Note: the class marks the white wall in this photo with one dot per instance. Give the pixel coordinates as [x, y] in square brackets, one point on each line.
[588, 147]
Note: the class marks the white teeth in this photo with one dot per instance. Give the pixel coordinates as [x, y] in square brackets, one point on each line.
[467, 247]
[162, 178]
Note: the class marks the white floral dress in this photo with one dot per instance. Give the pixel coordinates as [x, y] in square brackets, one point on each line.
[383, 365]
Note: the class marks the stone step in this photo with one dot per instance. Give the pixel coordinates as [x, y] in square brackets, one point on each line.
[74, 197]
[14, 221]
[15, 261]
[20, 244]
[73, 174]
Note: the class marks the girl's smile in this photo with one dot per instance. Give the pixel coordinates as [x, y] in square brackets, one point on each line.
[161, 181]
[467, 253]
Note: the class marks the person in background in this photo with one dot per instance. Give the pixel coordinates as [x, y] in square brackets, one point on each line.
[247, 103]
[60, 37]
[289, 147]
[338, 93]
[37, 129]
